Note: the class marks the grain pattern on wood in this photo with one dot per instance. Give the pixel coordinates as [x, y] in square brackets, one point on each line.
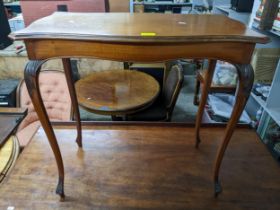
[117, 91]
[233, 52]
[141, 167]
[143, 27]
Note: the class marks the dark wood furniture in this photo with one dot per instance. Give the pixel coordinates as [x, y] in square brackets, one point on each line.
[139, 38]
[117, 92]
[143, 166]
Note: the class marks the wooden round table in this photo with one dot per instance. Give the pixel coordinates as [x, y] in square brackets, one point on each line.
[117, 92]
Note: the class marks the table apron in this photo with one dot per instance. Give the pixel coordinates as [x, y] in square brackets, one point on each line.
[233, 52]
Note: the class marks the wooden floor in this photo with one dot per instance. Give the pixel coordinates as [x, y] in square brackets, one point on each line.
[144, 168]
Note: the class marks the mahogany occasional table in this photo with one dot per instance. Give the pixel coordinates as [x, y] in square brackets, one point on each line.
[139, 38]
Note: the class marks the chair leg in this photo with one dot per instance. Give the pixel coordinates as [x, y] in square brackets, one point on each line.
[70, 83]
[246, 79]
[203, 99]
[31, 76]
[196, 92]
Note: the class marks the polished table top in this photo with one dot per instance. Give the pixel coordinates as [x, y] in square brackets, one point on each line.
[117, 91]
[139, 27]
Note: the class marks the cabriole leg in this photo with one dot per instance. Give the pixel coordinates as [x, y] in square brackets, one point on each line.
[204, 94]
[246, 79]
[31, 76]
[69, 78]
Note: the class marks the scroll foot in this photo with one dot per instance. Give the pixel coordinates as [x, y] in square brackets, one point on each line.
[60, 189]
[217, 188]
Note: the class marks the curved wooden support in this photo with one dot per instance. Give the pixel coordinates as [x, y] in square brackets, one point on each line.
[69, 78]
[203, 99]
[246, 79]
[31, 76]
